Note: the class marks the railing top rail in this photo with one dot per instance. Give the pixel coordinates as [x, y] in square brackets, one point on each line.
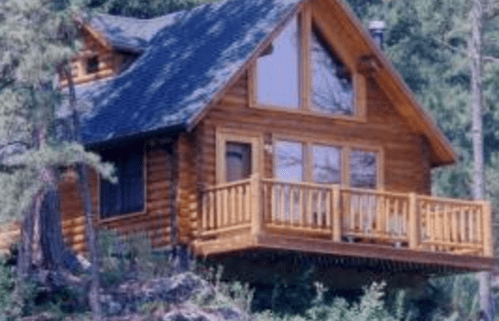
[451, 200]
[374, 192]
[303, 184]
[227, 185]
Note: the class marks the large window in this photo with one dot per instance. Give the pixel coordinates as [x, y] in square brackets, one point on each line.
[278, 70]
[296, 161]
[304, 74]
[289, 161]
[327, 164]
[332, 88]
[127, 196]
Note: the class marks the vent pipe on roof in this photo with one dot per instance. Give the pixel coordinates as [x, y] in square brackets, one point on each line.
[377, 31]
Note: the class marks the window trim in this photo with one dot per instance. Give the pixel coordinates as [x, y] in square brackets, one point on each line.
[345, 150]
[101, 219]
[223, 135]
[307, 22]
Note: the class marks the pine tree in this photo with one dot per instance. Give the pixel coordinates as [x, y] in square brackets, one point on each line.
[36, 38]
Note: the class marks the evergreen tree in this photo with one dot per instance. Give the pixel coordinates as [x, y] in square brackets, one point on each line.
[36, 38]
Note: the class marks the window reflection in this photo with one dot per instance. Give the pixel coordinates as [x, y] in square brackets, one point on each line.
[363, 172]
[289, 161]
[326, 164]
[332, 87]
[277, 70]
[238, 161]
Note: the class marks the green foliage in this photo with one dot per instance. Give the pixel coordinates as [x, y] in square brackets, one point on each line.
[370, 307]
[131, 256]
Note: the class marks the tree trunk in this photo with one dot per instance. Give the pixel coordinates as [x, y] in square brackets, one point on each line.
[84, 189]
[475, 47]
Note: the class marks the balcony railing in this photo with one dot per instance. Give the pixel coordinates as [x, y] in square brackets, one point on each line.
[340, 214]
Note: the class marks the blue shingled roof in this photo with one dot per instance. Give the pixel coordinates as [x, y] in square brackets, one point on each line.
[183, 66]
[131, 34]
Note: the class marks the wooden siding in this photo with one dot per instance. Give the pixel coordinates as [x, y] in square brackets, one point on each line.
[155, 221]
[406, 169]
[110, 62]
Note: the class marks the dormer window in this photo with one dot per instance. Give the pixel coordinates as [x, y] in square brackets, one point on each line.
[93, 65]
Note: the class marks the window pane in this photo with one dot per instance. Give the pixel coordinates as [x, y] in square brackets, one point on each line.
[238, 161]
[332, 87]
[326, 164]
[363, 171]
[277, 70]
[127, 196]
[289, 161]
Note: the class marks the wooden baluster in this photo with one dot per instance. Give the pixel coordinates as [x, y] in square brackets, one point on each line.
[471, 227]
[226, 207]
[256, 221]
[413, 222]
[454, 225]
[387, 215]
[218, 196]
[488, 242]
[292, 205]
[281, 205]
[310, 205]
[462, 224]
[446, 224]
[212, 209]
[351, 213]
[301, 206]
[247, 203]
[380, 224]
[404, 219]
[204, 214]
[240, 215]
[429, 225]
[335, 211]
[321, 209]
[396, 217]
[273, 202]
[479, 225]
[327, 207]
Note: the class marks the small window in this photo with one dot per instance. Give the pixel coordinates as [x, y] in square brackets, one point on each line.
[289, 161]
[237, 161]
[332, 88]
[127, 196]
[93, 65]
[327, 167]
[363, 169]
[278, 70]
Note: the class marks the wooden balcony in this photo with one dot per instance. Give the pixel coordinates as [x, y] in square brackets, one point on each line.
[348, 223]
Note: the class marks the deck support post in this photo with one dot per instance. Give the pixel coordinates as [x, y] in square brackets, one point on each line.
[413, 221]
[336, 220]
[488, 246]
[256, 221]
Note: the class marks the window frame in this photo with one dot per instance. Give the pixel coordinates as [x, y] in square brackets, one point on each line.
[224, 135]
[101, 219]
[308, 21]
[345, 149]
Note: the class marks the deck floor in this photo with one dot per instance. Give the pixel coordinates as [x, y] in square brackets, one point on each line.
[363, 254]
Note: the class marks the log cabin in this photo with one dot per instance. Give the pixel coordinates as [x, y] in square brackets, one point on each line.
[274, 128]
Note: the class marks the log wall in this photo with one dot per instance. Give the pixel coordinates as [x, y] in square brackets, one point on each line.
[155, 221]
[406, 165]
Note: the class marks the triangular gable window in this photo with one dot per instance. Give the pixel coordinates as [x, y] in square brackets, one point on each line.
[300, 71]
[332, 89]
[278, 70]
